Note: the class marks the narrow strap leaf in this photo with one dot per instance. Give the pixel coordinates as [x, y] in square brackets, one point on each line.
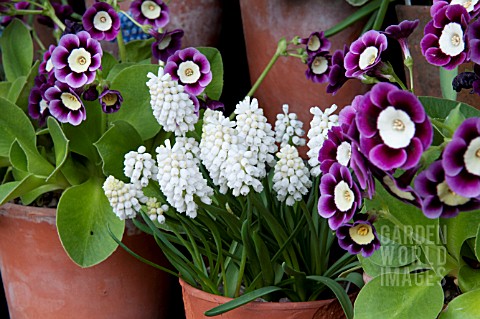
[240, 301]
[339, 292]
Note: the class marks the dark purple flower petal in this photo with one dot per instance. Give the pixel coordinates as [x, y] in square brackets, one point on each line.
[359, 237]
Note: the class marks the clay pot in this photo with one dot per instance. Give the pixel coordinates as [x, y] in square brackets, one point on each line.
[196, 302]
[265, 22]
[41, 281]
[426, 77]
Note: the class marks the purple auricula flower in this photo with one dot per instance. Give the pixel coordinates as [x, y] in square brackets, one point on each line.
[65, 104]
[399, 186]
[437, 198]
[468, 80]
[90, 94]
[336, 77]
[151, 12]
[401, 32]
[394, 128]
[76, 59]
[110, 100]
[212, 104]
[37, 104]
[46, 66]
[444, 42]
[472, 7]
[335, 149]
[101, 21]
[315, 43]
[72, 27]
[473, 36]
[359, 237]
[190, 68]
[364, 54]
[461, 159]
[318, 67]
[339, 196]
[166, 43]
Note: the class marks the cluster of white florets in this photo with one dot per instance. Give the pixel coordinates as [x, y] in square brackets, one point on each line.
[291, 178]
[321, 123]
[179, 176]
[288, 128]
[124, 198]
[172, 107]
[155, 210]
[140, 167]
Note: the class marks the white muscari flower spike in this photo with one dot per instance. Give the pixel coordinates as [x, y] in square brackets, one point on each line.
[179, 176]
[172, 107]
[156, 210]
[124, 198]
[291, 179]
[288, 128]
[140, 167]
[321, 123]
[218, 135]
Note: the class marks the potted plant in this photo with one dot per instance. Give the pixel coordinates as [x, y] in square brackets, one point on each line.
[416, 159]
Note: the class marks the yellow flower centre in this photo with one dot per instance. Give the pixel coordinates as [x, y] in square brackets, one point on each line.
[456, 40]
[110, 99]
[363, 230]
[81, 60]
[151, 7]
[348, 196]
[467, 4]
[188, 72]
[103, 19]
[362, 234]
[398, 125]
[477, 153]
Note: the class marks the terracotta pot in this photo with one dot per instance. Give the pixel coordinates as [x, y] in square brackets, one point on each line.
[200, 19]
[426, 78]
[265, 22]
[41, 281]
[196, 302]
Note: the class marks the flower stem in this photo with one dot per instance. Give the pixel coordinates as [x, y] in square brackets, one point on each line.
[37, 39]
[122, 51]
[281, 50]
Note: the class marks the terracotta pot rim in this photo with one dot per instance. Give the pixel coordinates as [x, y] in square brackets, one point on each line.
[24, 211]
[200, 294]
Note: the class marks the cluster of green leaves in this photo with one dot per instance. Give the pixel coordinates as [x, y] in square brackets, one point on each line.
[417, 253]
[75, 160]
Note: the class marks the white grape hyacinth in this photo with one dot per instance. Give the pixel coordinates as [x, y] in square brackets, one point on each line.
[179, 176]
[140, 167]
[288, 128]
[321, 123]
[172, 107]
[124, 198]
[256, 134]
[218, 135]
[156, 210]
[291, 178]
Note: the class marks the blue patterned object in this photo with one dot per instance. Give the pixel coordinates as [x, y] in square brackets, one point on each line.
[130, 31]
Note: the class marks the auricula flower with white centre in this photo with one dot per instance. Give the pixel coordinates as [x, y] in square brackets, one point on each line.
[461, 159]
[364, 54]
[288, 128]
[394, 129]
[64, 104]
[140, 167]
[444, 40]
[291, 178]
[190, 68]
[166, 43]
[335, 149]
[179, 176]
[46, 66]
[110, 100]
[320, 124]
[123, 198]
[76, 59]
[319, 66]
[172, 107]
[340, 196]
[359, 237]
[152, 12]
[101, 21]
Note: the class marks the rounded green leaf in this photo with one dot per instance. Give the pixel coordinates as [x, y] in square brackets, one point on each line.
[465, 306]
[214, 89]
[468, 278]
[17, 50]
[400, 296]
[83, 217]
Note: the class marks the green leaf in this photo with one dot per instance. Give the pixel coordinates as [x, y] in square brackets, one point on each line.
[400, 296]
[117, 68]
[214, 89]
[114, 144]
[16, 88]
[468, 278]
[139, 50]
[29, 197]
[17, 50]
[136, 109]
[440, 108]
[60, 143]
[108, 62]
[446, 78]
[240, 301]
[454, 118]
[83, 214]
[74, 171]
[22, 99]
[477, 243]
[339, 292]
[465, 306]
[83, 136]
[392, 254]
[11, 190]
[4, 88]
[459, 229]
